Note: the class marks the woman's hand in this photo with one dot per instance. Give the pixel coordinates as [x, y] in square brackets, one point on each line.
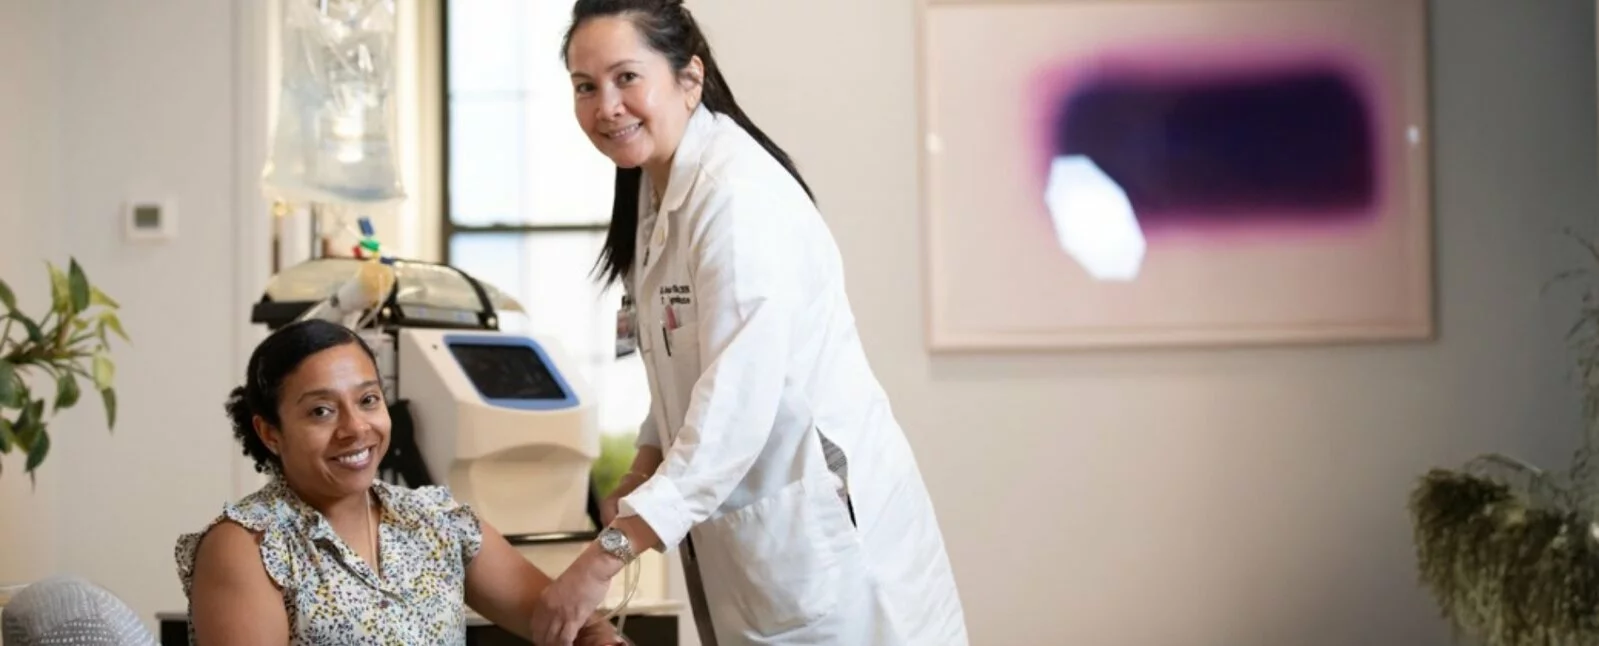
[569, 603]
[608, 507]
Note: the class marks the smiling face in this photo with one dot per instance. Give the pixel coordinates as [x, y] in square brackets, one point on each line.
[628, 98]
[335, 424]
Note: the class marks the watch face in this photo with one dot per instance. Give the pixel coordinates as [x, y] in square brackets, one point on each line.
[611, 540]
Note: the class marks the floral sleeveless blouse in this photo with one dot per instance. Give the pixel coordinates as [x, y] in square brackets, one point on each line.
[332, 596]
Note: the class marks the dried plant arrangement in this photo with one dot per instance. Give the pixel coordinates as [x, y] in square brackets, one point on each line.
[1510, 551]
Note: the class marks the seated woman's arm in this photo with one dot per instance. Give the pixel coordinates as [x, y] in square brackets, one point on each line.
[234, 601]
[504, 587]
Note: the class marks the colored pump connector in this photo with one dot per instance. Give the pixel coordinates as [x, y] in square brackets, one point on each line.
[369, 247]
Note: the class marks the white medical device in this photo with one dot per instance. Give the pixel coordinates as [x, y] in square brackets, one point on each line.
[501, 421]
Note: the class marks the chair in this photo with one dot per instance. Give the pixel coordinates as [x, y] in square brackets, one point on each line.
[70, 611]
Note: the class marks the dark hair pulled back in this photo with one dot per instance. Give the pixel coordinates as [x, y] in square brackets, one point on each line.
[273, 361]
[669, 29]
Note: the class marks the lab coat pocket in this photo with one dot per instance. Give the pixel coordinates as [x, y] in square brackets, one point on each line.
[680, 367]
[685, 343]
[782, 556]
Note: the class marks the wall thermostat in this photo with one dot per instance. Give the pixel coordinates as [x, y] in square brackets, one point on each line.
[151, 220]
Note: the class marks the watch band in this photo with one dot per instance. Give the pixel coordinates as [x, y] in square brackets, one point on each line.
[616, 543]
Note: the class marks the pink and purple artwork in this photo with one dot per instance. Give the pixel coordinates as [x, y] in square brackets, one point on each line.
[1164, 172]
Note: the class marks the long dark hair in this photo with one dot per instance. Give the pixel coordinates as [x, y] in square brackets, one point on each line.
[669, 29]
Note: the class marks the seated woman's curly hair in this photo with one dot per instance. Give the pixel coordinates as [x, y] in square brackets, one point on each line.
[273, 361]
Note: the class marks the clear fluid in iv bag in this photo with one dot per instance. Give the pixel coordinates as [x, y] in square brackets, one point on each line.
[333, 141]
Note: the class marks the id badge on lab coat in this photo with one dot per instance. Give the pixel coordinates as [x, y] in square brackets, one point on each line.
[626, 328]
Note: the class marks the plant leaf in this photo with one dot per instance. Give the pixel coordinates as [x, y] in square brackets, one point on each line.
[104, 371]
[9, 390]
[78, 287]
[35, 335]
[40, 448]
[67, 392]
[97, 297]
[60, 291]
[109, 319]
[7, 438]
[28, 424]
[6, 297]
[108, 396]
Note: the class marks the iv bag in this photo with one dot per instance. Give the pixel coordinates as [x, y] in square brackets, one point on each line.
[334, 138]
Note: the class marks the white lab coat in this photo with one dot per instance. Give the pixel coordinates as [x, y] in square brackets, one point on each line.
[756, 360]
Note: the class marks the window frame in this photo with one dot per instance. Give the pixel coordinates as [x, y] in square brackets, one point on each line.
[448, 227]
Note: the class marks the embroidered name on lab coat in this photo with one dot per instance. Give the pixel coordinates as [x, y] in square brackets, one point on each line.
[677, 295]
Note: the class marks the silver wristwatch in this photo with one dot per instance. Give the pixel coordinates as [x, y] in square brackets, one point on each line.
[615, 543]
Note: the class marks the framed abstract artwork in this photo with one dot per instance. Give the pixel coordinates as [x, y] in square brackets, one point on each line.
[1101, 173]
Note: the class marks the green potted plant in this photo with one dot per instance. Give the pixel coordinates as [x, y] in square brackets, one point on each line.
[47, 361]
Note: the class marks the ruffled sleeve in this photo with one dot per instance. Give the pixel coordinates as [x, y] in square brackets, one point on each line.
[454, 521]
[259, 514]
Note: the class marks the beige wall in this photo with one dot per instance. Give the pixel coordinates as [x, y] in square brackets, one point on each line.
[1246, 498]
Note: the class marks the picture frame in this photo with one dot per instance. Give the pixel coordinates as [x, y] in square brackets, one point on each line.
[1228, 236]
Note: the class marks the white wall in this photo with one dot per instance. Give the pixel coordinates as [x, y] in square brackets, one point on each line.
[146, 108]
[1201, 497]
[128, 100]
[28, 204]
[1242, 498]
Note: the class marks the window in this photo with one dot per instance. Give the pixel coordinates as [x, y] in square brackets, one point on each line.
[527, 196]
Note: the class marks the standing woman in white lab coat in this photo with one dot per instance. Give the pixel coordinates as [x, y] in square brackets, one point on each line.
[770, 457]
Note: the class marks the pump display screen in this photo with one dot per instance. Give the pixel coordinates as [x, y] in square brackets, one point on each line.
[507, 371]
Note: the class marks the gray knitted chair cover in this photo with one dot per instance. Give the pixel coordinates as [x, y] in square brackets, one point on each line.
[69, 611]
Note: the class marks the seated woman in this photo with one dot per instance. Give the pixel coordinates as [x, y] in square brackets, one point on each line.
[326, 553]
